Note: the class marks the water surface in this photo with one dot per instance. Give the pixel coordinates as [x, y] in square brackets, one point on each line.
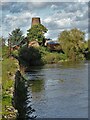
[60, 91]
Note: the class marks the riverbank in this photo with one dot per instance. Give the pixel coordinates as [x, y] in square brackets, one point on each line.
[9, 67]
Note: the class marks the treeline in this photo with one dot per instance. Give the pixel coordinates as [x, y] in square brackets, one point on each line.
[72, 42]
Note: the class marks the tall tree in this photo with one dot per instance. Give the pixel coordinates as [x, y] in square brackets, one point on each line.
[36, 32]
[16, 36]
[72, 43]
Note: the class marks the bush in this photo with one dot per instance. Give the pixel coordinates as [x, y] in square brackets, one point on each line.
[43, 50]
[63, 56]
[53, 57]
[80, 57]
[29, 56]
[38, 56]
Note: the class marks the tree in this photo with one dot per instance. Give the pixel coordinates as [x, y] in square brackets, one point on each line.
[37, 33]
[29, 56]
[72, 43]
[16, 37]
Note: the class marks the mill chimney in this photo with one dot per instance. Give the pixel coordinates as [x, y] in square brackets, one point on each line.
[35, 21]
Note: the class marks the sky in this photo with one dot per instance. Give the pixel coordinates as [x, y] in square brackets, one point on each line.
[55, 16]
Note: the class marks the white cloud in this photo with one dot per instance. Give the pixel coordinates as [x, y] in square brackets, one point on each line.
[53, 6]
[20, 20]
[57, 17]
[37, 4]
[44, 1]
[48, 20]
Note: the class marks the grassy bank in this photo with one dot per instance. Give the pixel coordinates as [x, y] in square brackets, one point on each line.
[9, 67]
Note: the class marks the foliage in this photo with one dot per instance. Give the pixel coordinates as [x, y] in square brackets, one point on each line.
[16, 36]
[15, 52]
[29, 56]
[36, 32]
[72, 43]
[51, 57]
[5, 51]
[87, 50]
[43, 50]
[39, 56]
[54, 58]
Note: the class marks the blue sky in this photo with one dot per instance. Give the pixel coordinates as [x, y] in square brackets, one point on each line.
[55, 16]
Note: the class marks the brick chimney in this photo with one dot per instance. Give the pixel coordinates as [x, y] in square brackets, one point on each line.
[35, 21]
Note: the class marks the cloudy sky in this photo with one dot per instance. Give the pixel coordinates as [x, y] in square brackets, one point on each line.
[55, 16]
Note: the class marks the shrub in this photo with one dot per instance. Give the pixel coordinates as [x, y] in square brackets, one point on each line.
[63, 56]
[80, 57]
[29, 56]
[39, 56]
[53, 57]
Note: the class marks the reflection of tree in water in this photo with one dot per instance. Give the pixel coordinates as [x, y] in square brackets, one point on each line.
[36, 80]
[21, 99]
[37, 85]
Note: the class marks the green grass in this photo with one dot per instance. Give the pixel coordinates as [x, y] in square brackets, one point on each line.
[9, 68]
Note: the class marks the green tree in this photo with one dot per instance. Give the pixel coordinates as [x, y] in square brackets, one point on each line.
[36, 32]
[72, 43]
[16, 37]
[29, 56]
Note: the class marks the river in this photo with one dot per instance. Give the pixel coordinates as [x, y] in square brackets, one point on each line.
[59, 91]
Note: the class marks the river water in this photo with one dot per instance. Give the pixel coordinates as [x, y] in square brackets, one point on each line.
[59, 91]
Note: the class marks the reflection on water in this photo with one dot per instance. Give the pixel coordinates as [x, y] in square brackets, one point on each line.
[58, 91]
[37, 85]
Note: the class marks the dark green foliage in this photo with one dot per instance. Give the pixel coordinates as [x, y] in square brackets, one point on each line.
[29, 56]
[36, 32]
[87, 55]
[16, 36]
